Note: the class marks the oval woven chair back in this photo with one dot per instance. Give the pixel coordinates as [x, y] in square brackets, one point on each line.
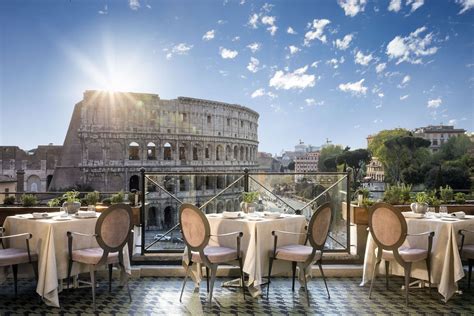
[113, 227]
[319, 225]
[387, 226]
[195, 226]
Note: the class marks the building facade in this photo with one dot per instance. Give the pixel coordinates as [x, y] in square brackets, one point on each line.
[437, 134]
[307, 163]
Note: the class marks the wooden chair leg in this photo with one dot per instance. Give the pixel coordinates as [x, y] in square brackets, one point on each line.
[387, 266]
[428, 268]
[15, 277]
[92, 273]
[324, 278]
[207, 279]
[407, 281]
[69, 270]
[270, 263]
[242, 276]
[306, 287]
[185, 279]
[35, 269]
[110, 277]
[213, 279]
[293, 269]
[374, 274]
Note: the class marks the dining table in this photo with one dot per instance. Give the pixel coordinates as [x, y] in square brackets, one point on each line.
[50, 242]
[446, 264]
[256, 243]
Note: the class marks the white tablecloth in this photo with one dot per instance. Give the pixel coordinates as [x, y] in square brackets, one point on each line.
[51, 243]
[446, 264]
[257, 243]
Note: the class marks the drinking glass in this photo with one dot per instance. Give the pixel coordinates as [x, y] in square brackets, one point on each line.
[443, 210]
[63, 212]
[430, 212]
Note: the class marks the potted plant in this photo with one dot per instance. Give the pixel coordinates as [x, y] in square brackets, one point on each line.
[72, 202]
[248, 201]
[54, 202]
[29, 200]
[421, 204]
[118, 197]
[446, 194]
[460, 198]
[92, 198]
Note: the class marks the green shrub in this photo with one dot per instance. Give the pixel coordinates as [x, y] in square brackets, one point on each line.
[92, 198]
[367, 202]
[29, 200]
[9, 200]
[460, 198]
[117, 197]
[106, 201]
[446, 194]
[71, 196]
[54, 202]
[432, 199]
[250, 197]
[397, 194]
[422, 197]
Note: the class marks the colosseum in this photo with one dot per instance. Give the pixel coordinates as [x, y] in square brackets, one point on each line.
[112, 136]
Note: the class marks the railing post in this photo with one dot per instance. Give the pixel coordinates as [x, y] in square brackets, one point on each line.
[246, 180]
[348, 207]
[142, 210]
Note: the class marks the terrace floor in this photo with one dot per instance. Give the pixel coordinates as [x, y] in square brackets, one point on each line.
[160, 296]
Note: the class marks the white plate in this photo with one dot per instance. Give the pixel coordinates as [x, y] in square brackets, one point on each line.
[232, 216]
[272, 216]
[62, 219]
[91, 216]
[44, 217]
[412, 215]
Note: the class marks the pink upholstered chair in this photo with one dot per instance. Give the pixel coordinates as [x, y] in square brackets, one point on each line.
[196, 234]
[388, 228]
[316, 234]
[467, 252]
[112, 232]
[15, 256]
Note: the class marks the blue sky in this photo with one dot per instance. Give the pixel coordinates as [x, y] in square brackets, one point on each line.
[313, 69]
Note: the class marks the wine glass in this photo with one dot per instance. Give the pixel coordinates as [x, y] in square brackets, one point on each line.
[443, 210]
[430, 212]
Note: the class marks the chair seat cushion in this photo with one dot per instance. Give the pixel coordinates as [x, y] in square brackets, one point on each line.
[93, 255]
[407, 254]
[298, 253]
[216, 254]
[12, 256]
[468, 251]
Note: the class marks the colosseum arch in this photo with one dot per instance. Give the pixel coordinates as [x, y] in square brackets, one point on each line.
[152, 218]
[246, 154]
[236, 205]
[207, 152]
[220, 207]
[241, 153]
[168, 215]
[134, 183]
[220, 182]
[151, 151]
[167, 151]
[183, 184]
[210, 182]
[182, 152]
[33, 183]
[219, 153]
[236, 152]
[133, 151]
[197, 152]
[228, 206]
[198, 182]
[210, 208]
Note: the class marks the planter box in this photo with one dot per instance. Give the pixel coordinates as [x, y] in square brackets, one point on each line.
[359, 214]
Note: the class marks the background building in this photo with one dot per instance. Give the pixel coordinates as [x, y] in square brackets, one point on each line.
[437, 134]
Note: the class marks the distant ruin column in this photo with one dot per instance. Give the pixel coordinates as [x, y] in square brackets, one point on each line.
[20, 183]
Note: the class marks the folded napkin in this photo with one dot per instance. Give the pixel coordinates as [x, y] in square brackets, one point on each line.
[85, 213]
[458, 214]
[232, 214]
[272, 214]
[40, 214]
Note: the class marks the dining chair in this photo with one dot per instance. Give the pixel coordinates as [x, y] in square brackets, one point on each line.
[388, 228]
[112, 231]
[317, 233]
[196, 234]
[467, 252]
[15, 256]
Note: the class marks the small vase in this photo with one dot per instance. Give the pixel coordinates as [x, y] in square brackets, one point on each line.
[248, 207]
[72, 207]
[419, 208]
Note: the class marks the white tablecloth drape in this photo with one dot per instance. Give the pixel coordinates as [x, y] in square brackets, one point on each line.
[446, 264]
[256, 243]
[51, 243]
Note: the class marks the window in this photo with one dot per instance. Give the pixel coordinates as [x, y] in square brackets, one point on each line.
[228, 122]
[151, 151]
[184, 117]
[241, 123]
[182, 153]
[167, 152]
[195, 153]
[207, 152]
[208, 119]
[133, 151]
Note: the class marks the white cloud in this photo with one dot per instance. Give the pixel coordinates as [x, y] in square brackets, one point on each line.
[253, 21]
[258, 93]
[352, 7]
[224, 73]
[105, 11]
[452, 122]
[406, 79]
[356, 88]
[254, 47]
[292, 80]
[315, 64]
[293, 49]
[415, 4]
[316, 31]
[180, 49]
[134, 4]
[381, 95]
[220, 22]
[344, 43]
[395, 5]
[333, 62]
[357, 126]
[291, 31]
[380, 67]
[148, 6]
[411, 48]
[209, 35]
[362, 59]
[435, 103]
[253, 65]
[466, 5]
[313, 102]
[270, 21]
[236, 38]
[227, 53]
[404, 97]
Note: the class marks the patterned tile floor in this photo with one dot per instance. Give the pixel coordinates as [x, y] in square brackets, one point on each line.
[160, 296]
